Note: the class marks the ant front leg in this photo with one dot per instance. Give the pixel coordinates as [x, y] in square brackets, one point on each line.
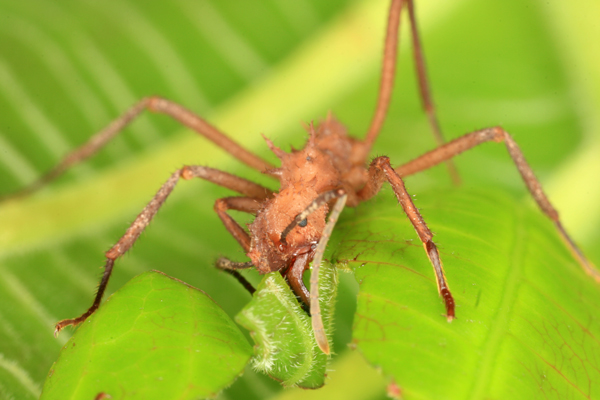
[232, 267]
[245, 204]
[158, 105]
[499, 135]
[381, 169]
[248, 205]
[221, 178]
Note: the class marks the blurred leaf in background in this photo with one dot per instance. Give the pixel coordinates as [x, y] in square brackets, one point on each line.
[67, 68]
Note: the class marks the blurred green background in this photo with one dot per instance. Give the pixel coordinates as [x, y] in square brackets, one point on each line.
[68, 67]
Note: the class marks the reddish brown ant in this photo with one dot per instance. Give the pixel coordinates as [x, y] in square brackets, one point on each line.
[289, 230]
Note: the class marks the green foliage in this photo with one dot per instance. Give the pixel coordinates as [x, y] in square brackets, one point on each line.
[154, 338]
[68, 67]
[526, 312]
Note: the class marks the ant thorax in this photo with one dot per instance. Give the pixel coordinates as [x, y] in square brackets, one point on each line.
[347, 155]
[328, 161]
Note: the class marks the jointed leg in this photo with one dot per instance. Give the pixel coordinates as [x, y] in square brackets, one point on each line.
[231, 267]
[388, 72]
[159, 105]
[497, 134]
[244, 204]
[381, 169]
[143, 220]
[426, 97]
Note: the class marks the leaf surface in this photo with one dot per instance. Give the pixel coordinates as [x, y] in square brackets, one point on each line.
[154, 338]
[526, 312]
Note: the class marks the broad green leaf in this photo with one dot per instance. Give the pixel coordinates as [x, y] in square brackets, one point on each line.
[285, 344]
[69, 67]
[526, 312]
[155, 338]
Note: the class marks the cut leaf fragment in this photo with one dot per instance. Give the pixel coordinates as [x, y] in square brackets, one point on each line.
[153, 339]
[285, 344]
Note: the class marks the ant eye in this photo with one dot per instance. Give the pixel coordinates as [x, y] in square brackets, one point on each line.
[303, 223]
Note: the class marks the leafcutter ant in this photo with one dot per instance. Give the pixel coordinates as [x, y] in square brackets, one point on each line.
[290, 230]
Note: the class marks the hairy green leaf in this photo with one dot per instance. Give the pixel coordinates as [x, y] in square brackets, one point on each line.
[285, 344]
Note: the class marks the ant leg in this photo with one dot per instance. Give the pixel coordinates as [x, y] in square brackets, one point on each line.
[381, 169]
[499, 135]
[225, 264]
[388, 73]
[425, 92]
[231, 267]
[155, 104]
[221, 178]
[245, 204]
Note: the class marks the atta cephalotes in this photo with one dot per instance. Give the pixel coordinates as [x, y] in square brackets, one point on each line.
[290, 229]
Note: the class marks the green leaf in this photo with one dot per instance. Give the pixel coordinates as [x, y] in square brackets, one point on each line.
[154, 338]
[286, 348]
[68, 67]
[525, 322]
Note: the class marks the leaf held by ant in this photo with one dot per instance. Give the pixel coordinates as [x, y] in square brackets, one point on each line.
[285, 345]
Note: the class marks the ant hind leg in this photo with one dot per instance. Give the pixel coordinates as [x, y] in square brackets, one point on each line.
[158, 105]
[499, 135]
[388, 72]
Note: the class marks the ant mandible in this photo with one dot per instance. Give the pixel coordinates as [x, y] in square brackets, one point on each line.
[290, 229]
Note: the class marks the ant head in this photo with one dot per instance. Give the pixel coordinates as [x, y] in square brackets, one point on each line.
[285, 228]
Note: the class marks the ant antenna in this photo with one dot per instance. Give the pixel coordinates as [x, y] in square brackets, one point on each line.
[315, 308]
